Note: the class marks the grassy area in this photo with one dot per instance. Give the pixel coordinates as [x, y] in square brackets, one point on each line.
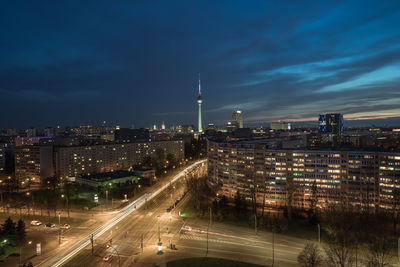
[194, 262]
[8, 250]
[80, 202]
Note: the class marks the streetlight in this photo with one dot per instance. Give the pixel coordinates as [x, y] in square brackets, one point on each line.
[106, 198]
[20, 252]
[159, 245]
[66, 198]
[59, 229]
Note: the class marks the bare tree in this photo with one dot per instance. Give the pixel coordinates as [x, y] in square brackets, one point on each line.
[380, 252]
[340, 251]
[310, 256]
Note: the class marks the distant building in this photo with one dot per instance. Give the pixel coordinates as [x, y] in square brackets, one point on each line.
[12, 132]
[49, 131]
[2, 157]
[100, 179]
[132, 135]
[159, 136]
[147, 174]
[74, 161]
[31, 132]
[330, 123]
[280, 125]
[237, 116]
[232, 126]
[33, 162]
[185, 129]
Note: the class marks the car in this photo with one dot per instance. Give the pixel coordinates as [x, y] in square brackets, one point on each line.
[107, 257]
[49, 225]
[65, 226]
[35, 223]
[186, 228]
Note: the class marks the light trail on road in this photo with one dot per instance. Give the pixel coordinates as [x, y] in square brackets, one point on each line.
[121, 214]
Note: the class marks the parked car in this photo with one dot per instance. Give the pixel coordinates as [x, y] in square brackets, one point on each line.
[35, 223]
[50, 225]
[107, 257]
[65, 226]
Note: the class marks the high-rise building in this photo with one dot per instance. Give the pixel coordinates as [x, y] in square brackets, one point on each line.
[237, 116]
[33, 162]
[331, 123]
[363, 179]
[200, 101]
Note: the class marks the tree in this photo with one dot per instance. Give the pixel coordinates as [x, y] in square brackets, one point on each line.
[147, 162]
[8, 228]
[238, 203]
[223, 206]
[380, 251]
[160, 155]
[50, 185]
[290, 190]
[68, 191]
[340, 249]
[312, 212]
[310, 256]
[21, 233]
[201, 192]
[171, 160]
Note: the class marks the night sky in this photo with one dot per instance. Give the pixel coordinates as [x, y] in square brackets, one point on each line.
[136, 62]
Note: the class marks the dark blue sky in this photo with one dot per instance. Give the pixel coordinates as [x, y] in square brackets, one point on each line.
[135, 62]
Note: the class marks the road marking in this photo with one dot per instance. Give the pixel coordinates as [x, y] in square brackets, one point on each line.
[120, 215]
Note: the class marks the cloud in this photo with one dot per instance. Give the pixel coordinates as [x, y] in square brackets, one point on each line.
[136, 63]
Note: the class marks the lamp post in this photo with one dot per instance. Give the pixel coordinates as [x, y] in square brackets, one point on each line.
[66, 199]
[20, 252]
[59, 228]
[209, 223]
[159, 245]
[106, 198]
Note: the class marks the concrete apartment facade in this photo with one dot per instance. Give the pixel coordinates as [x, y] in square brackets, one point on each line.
[359, 178]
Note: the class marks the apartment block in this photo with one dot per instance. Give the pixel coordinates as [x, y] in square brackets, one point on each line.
[363, 179]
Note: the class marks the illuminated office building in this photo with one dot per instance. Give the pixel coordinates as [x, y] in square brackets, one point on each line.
[330, 123]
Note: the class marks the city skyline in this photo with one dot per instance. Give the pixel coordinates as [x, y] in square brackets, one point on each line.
[80, 63]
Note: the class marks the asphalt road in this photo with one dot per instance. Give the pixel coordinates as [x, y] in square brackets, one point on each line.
[224, 241]
[119, 226]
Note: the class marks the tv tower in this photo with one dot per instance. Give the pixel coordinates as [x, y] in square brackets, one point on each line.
[199, 101]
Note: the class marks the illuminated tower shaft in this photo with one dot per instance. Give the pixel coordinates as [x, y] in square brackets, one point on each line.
[200, 101]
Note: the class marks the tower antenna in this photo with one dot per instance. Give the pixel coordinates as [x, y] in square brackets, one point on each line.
[199, 85]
